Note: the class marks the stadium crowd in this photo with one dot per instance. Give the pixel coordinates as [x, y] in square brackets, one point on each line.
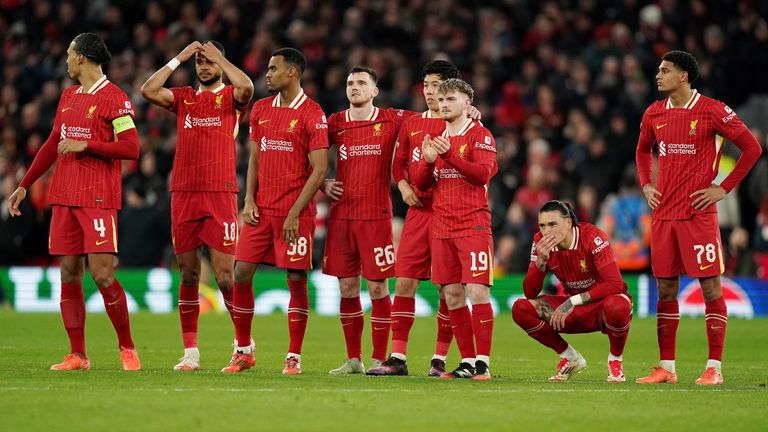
[561, 84]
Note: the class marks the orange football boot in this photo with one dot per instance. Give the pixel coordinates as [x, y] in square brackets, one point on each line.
[73, 362]
[658, 376]
[239, 363]
[130, 359]
[711, 376]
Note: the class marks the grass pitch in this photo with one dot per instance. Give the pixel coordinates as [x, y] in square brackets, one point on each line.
[518, 398]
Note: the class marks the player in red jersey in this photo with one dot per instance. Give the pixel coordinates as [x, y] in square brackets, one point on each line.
[597, 300]
[459, 163]
[92, 131]
[413, 261]
[203, 181]
[288, 163]
[688, 129]
[360, 224]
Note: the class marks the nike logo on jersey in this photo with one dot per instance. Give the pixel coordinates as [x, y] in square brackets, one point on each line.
[485, 321]
[186, 102]
[477, 274]
[659, 126]
[383, 269]
[415, 133]
[341, 132]
[703, 267]
[228, 243]
[294, 259]
[261, 122]
[99, 243]
[66, 109]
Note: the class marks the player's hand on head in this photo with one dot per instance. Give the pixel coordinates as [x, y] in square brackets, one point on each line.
[210, 52]
[474, 113]
[651, 195]
[409, 195]
[71, 146]
[15, 199]
[441, 144]
[250, 213]
[333, 188]
[190, 50]
[707, 197]
[291, 229]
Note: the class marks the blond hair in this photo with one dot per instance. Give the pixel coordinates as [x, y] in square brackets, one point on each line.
[456, 84]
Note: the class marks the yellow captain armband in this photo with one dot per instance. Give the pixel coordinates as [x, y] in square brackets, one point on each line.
[122, 124]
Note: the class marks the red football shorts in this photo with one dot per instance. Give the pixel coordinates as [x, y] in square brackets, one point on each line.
[689, 246]
[355, 244]
[463, 260]
[585, 318]
[199, 218]
[413, 253]
[264, 243]
[82, 230]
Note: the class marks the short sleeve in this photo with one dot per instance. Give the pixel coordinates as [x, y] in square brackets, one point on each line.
[253, 123]
[317, 129]
[600, 249]
[178, 96]
[120, 106]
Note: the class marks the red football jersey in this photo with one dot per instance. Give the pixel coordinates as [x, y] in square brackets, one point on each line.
[286, 136]
[82, 179]
[460, 208]
[578, 267]
[208, 123]
[690, 142]
[409, 141]
[364, 150]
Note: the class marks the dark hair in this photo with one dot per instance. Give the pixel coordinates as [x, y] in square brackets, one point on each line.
[443, 68]
[564, 209]
[92, 47]
[684, 61]
[293, 57]
[369, 71]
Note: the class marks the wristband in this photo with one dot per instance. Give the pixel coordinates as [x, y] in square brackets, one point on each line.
[576, 300]
[173, 64]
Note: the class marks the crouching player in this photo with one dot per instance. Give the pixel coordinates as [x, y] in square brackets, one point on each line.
[597, 300]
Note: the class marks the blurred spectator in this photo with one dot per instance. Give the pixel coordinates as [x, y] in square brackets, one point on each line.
[739, 259]
[626, 219]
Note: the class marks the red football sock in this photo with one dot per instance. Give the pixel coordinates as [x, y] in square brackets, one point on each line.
[618, 314]
[72, 306]
[242, 312]
[482, 327]
[381, 312]
[667, 320]
[403, 315]
[461, 324]
[189, 311]
[298, 313]
[227, 294]
[444, 332]
[524, 314]
[352, 322]
[117, 309]
[716, 320]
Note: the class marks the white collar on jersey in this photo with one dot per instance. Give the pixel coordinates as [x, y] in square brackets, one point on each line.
[468, 124]
[372, 117]
[574, 241]
[428, 114]
[295, 104]
[216, 90]
[98, 85]
[695, 96]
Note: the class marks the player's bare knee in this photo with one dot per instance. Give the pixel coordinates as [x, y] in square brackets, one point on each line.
[406, 287]
[244, 273]
[224, 279]
[378, 289]
[296, 275]
[102, 279]
[71, 273]
[668, 288]
[189, 275]
[479, 294]
[711, 288]
[455, 297]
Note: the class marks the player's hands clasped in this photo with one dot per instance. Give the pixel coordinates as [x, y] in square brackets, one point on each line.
[651, 195]
[250, 212]
[210, 52]
[15, 199]
[71, 146]
[707, 196]
[427, 149]
[441, 144]
[333, 188]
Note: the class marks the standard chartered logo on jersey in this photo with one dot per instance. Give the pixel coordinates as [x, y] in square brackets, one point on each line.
[190, 121]
[277, 145]
[676, 149]
[359, 150]
[74, 132]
